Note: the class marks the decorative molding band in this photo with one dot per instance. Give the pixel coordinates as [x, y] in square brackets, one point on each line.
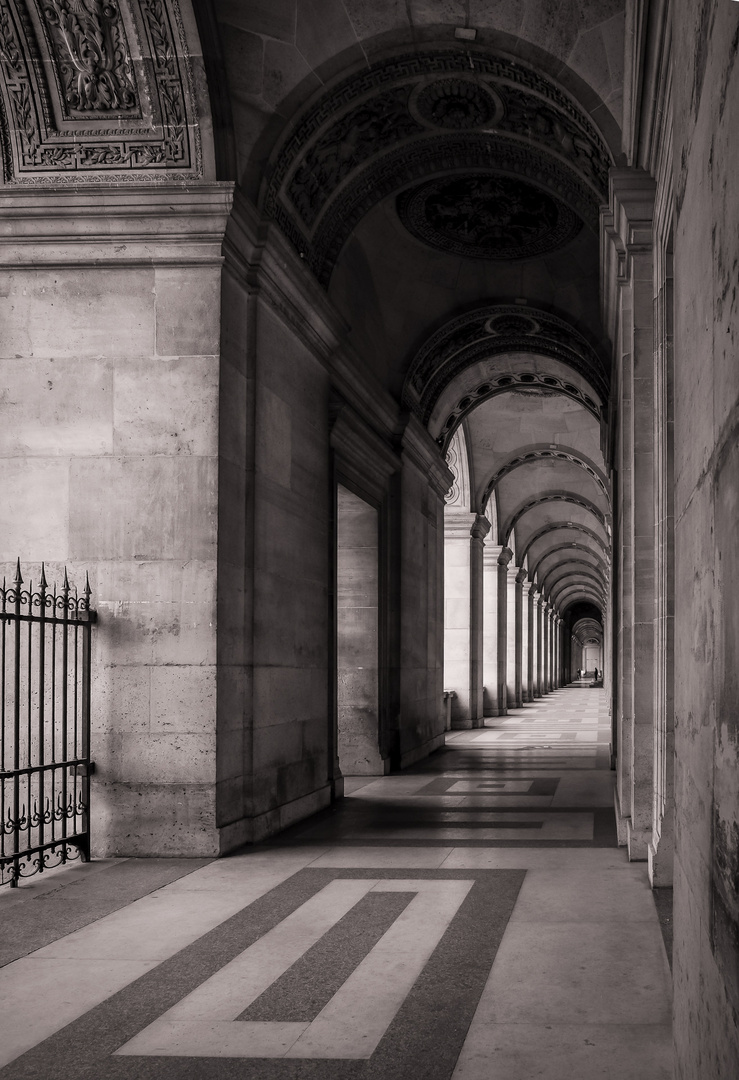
[114, 226]
[96, 92]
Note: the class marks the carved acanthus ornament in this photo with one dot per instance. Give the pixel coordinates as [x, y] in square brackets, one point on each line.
[93, 90]
[92, 55]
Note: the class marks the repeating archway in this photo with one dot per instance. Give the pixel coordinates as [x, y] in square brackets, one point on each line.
[542, 453]
[556, 525]
[559, 496]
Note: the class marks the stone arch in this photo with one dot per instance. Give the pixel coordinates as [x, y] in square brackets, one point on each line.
[495, 330]
[572, 498]
[410, 119]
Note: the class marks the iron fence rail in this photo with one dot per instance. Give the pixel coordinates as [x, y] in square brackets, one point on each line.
[45, 655]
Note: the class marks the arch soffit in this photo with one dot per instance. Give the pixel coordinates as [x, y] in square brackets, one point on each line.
[570, 569]
[587, 626]
[141, 107]
[379, 130]
[573, 550]
[562, 585]
[555, 526]
[491, 331]
[571, 497]
[530, 454]
[579, 592]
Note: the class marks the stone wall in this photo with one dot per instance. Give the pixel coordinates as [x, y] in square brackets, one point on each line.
[706, 951]
[108, 463]
[357, 633]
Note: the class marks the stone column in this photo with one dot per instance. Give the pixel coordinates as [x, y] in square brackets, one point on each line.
[513, 698]
[458, 604]
[534, 597]
[552, 618]
[478, 532]
[546, 642]
[528, 677]
[503, 559]
[490, 629]
[541, 689]
[520, 578]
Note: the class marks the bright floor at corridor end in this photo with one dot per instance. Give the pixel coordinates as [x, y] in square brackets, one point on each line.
[471, 918]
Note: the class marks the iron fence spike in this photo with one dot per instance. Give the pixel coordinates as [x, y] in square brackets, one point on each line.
[18, 578]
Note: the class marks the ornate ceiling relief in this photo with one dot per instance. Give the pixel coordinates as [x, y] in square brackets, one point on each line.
[530, 167]
[487, 217]
[491, 330]
[93, 90]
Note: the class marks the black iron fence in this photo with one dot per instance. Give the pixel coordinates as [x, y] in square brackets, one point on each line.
[45, 649]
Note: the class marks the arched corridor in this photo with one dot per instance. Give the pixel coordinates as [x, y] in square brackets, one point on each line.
[368, 383]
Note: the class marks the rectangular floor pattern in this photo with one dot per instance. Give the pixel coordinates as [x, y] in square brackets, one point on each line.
[468, 919]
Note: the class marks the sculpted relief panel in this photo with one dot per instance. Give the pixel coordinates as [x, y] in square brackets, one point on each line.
[95, 90]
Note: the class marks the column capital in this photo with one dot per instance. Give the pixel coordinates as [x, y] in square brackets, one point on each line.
[480, 527]
[527, 587]
[505, 556]
[458, 523]
[523, 576]
[513, 572]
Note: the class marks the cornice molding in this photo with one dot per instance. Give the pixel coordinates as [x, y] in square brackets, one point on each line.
[114, 226]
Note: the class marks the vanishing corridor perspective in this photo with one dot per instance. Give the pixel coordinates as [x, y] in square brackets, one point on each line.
[369, 506]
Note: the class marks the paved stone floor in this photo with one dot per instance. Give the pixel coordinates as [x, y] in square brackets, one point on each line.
[470, 918]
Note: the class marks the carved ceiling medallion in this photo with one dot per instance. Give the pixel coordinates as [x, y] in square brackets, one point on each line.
[487, 217]
[456, 104]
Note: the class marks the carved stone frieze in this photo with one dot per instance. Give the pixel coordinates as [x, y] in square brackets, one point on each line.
[374, 133]
[95, 90]
[494, 329]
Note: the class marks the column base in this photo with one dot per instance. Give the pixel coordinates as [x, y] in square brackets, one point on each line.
[622, 821]
[637, 842]
[661, 860]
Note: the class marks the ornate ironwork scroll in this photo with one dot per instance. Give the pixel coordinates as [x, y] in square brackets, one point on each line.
[45, 650]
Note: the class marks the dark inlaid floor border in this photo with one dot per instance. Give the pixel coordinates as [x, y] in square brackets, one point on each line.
[424, 1039]
[80, 898]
